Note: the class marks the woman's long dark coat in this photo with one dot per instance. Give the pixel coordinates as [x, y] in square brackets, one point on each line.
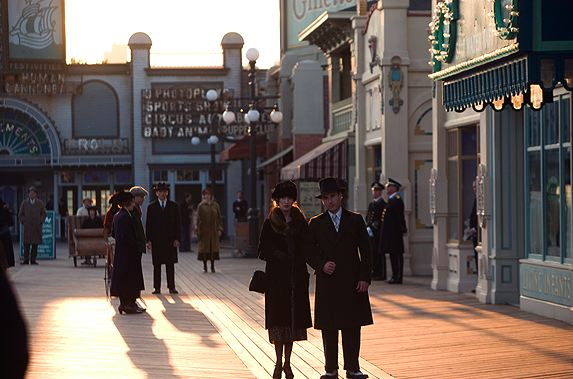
[282, 247]
[162, 228]
[127, 277]
[5, 238]
[337, 303]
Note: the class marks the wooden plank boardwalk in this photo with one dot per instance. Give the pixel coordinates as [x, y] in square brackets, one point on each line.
[214, 328]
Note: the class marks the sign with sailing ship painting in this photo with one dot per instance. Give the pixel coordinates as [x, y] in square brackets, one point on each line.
[36, 30]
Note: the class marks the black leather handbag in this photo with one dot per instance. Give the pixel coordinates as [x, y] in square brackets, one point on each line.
[258, 282]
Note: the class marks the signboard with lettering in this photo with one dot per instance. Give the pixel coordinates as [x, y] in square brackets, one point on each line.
[310, 205]
[47, 249]
[20, 134]
[546, 283]
[96, 146]
[180, 112]
[298, 14]
[36, 30]
[34, 79]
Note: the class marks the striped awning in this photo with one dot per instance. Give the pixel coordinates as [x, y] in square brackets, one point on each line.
[327, 159]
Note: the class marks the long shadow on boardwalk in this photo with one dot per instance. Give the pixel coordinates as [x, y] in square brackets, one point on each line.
[187, 319]
[137, 332]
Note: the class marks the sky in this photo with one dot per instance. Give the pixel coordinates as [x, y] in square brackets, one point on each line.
[183, 32]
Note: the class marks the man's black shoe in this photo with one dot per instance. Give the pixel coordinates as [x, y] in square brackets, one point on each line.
[156, 292]
[356, 375]
[173, 291]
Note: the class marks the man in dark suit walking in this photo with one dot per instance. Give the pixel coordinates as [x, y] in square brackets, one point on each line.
[339, 252]
[393, 229]
[373, 224]
[163, 228]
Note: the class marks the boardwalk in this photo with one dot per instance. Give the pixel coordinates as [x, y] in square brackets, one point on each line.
[214, 329]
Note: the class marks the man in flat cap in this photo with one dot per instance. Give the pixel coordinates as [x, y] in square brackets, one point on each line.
[339, 252]
[393, 229]
[32, 215]
[163, 228]
[373, 223]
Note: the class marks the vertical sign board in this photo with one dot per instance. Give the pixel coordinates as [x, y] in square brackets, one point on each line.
[311, 206]
[47, 249]
[301, 13]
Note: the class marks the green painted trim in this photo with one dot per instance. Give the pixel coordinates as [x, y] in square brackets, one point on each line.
[509, 29]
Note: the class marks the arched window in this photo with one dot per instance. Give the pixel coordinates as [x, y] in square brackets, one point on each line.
[95, 111]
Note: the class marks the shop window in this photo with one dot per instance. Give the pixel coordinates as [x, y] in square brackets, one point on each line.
[123, 177]
[188, 175]
[548, 172]
[463, 157]
[67, 177]
[159, 176]
[95, 111]
[96, 177]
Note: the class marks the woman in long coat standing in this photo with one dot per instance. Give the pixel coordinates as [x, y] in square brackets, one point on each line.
[209, 229]
[127, 277]
[282, 246]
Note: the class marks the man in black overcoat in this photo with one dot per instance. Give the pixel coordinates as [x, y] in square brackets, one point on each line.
[163, 228]
[373, 223]
[339, 252]
[393, 229]
[127, 276]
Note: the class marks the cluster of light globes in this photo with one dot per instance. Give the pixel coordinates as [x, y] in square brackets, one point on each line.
[253, 115]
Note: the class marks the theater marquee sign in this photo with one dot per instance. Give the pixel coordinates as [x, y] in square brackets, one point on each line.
[180, 112]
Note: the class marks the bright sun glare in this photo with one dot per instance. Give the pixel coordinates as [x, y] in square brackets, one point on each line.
[183, 32]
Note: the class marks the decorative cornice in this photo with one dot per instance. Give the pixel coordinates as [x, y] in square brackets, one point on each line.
[474, 62]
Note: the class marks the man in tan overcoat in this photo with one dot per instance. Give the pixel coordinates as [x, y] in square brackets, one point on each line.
[32, 214]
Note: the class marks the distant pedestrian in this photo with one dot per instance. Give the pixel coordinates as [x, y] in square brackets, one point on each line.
[163, 231]
[393, 230]
[6, 221]
[14, 354]
[282, 246]
[127, 276]
[83, 210]
[373, 225]
[111, 211]
[339, 252]
[63, 211]
[139, 193]
[240, 207]
[186, 215]
[209, 229]
[32, 215]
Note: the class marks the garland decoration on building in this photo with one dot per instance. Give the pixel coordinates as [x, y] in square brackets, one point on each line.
[443, 33]
[505, 15]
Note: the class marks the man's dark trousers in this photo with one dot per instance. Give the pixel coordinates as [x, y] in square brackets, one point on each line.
[170, 272]
[397, 261]
[350, 348]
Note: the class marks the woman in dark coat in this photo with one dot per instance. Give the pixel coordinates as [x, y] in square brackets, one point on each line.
[281, 245]
[6, 222]
[127, 277]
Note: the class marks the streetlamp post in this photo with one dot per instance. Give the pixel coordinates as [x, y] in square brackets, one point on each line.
[213, 140]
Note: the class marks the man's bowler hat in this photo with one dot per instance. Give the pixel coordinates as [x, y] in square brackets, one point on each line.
[377, 185]
[329, 185]
[161, 186]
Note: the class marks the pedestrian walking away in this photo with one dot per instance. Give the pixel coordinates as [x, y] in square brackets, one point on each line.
[186, 215]
[282, 246]
[127, 276]
[32, 215]
[163, 228]
[339, 252]
[373, 225]
[393, 230]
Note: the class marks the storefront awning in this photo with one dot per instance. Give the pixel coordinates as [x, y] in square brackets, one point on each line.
[275, 157]
[327, 159]
[240, 150]
[513, 82]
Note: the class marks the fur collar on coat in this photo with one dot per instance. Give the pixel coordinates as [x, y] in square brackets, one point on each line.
[278, 221]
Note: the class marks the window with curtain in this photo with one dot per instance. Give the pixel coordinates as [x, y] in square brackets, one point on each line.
[463, 157]
[548, 184]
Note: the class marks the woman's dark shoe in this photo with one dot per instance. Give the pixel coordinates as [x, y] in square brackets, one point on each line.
[288, 371]
[129, 309]
[278, 372]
